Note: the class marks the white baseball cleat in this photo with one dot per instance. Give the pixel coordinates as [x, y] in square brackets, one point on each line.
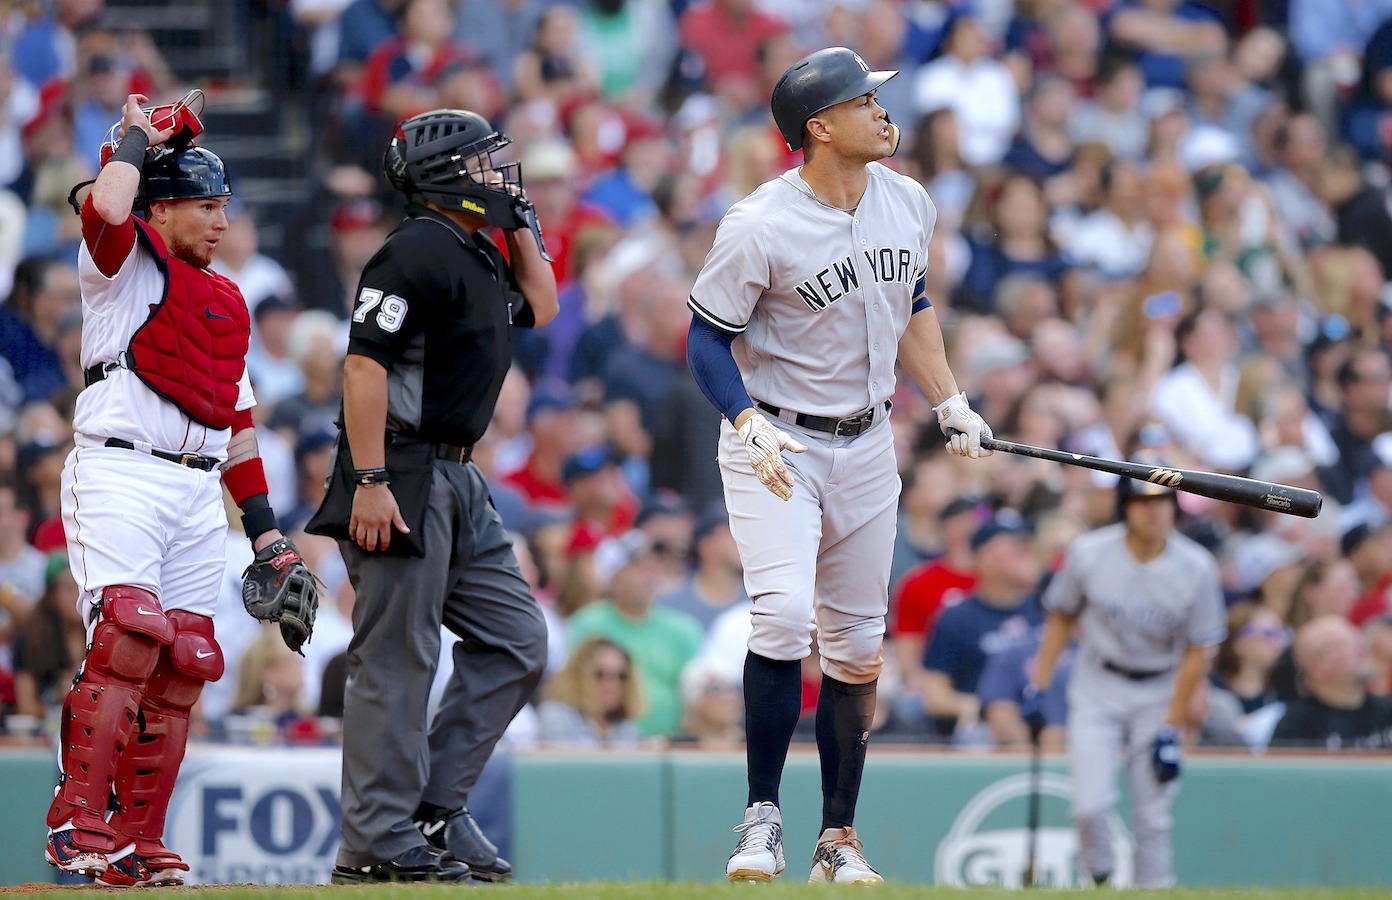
[759, 854]
[839, 860]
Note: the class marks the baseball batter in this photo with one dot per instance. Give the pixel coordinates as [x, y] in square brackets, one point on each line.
[813, 290]
[1148, 605]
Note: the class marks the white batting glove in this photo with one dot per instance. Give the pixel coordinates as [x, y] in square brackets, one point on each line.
[765, 445]
[954, 415]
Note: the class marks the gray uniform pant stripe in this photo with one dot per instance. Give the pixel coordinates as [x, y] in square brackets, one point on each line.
[470, 582]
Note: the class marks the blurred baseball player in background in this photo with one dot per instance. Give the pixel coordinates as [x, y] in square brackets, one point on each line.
[1148, 604]
[167, 405]
[813, 290]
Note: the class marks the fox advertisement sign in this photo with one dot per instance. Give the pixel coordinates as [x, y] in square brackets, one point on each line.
[237, 819]
[988, 842]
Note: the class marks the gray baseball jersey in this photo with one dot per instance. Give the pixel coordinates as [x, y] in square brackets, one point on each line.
[818, 296]
[1139, 617]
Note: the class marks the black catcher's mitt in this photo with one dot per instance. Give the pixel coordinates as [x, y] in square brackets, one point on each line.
[278, 587]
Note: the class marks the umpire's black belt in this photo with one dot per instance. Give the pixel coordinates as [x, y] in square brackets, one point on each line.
[455, 453]
[850, 426]
[192, 460]
[1133, 674]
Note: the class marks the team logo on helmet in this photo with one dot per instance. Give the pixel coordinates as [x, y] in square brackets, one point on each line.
[988, 842]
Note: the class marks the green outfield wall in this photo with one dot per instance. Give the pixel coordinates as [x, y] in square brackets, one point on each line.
[926, 817]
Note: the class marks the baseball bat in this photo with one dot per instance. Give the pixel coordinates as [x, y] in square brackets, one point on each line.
[1036, 763]
[1281, 498]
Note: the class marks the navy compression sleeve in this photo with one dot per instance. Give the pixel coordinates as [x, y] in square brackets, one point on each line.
[713, 366]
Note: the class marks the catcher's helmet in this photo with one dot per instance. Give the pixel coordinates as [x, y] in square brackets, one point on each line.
[183, 173]
[445, 157]
[819, 80]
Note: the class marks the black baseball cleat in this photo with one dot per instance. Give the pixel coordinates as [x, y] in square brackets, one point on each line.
[458, 833]
[423, 863]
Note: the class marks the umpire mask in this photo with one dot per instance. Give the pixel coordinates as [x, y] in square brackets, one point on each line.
[445, 157]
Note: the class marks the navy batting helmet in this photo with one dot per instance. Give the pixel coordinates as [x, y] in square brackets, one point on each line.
[183, 173]
[445, 157]
[819, 80]
[1159, 486]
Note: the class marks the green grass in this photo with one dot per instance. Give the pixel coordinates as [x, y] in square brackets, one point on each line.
[668, 891]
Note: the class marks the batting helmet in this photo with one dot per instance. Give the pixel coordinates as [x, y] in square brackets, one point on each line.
[445, 157]
[819, 80]
[183, 173]
[1134, 487]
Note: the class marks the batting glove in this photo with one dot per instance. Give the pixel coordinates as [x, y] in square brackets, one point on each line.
[963, 427]
[1032, 710]
[765, 445]
[1165, 759]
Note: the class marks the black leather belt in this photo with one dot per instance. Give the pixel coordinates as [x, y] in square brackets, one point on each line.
[850, 426]
[192, 460]
[453, 453]
[1132, 674]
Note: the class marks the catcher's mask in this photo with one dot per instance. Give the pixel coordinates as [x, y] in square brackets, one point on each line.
[183, 115]
[445, 157]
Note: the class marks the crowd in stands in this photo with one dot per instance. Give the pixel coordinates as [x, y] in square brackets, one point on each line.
[1164, 227]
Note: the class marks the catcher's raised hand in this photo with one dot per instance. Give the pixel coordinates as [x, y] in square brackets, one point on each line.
[278, 587]
[765, 445]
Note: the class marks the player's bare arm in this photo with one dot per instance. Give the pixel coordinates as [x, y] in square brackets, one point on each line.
[534, 274]
[375, 510]
[243, 448]
[1193, 666]
[924, 357]
[1058, 631]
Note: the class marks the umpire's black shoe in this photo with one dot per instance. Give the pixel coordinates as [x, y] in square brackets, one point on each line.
[423, 863]
[461, 835]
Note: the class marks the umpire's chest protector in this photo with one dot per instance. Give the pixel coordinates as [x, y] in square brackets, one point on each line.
[192, 349]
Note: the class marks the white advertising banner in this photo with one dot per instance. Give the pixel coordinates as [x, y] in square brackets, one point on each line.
[258, 815]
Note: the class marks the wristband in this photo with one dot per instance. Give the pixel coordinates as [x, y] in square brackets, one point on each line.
[132, 148]
[372, 476]
[257, 516]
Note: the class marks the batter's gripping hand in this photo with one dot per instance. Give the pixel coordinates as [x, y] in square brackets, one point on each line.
[1165, 759]
[765, 445]
[278, 587]
[1032, 710]
[954, 415]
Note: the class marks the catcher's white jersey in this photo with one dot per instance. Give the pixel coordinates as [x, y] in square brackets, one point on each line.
[121, 406]
[818, 297]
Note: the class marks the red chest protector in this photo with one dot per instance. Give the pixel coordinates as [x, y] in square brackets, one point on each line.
[192, 349]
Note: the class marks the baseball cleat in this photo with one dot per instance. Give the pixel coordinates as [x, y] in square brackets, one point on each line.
[62, 854]
[460, 834]
[759, 854]
[156, 867]
[839, 860]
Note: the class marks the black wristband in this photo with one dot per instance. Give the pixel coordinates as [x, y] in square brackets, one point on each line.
[372, 476]
[257, 516]
[132, 148]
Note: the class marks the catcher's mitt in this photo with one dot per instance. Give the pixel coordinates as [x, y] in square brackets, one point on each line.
[278, 587]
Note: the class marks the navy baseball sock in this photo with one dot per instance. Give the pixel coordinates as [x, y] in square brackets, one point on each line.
[844, 713]
[772, 701]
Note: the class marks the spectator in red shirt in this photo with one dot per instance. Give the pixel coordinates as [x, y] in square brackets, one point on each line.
[402, 72]
[726, 34]
[927, 588]
[553, 424]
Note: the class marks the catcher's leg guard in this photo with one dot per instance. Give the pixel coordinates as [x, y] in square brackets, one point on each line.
[100, 712]
[148, 768]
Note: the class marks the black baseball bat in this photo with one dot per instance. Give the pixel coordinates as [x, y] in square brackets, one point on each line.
[1036, 762]
[1281, 498]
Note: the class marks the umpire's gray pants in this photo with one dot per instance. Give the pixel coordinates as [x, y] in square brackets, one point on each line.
[470, 581]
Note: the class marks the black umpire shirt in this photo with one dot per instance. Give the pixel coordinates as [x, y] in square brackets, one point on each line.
[435, 307]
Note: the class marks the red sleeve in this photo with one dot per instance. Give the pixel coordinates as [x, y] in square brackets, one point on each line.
[109, 244]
